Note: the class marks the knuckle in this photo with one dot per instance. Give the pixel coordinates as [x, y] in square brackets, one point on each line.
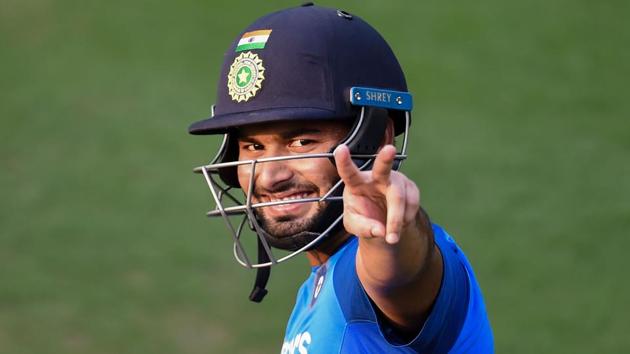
[348, 226]
[413, 193]
[414, 198]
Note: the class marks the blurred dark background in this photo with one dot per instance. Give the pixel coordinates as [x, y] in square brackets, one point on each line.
[520, 144]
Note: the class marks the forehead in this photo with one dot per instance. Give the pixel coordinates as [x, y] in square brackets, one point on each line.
[336, 129]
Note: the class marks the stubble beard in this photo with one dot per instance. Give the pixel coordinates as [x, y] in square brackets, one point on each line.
[288, 225]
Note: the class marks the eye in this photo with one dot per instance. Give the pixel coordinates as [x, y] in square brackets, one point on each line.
[253, 147]
[301, 142]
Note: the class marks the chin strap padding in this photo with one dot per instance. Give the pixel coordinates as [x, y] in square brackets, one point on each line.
[262, 276]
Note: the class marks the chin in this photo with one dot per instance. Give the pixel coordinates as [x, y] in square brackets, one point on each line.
[289, 225]
[286, 228]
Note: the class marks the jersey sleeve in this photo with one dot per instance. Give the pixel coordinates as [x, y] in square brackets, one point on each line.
[444, 324]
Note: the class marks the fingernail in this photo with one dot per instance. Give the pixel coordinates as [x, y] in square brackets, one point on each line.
[338, 148]
[376, 232]
[392, 238]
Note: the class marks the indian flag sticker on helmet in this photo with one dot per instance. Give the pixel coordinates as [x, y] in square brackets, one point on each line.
[245, 77]
[253, 40]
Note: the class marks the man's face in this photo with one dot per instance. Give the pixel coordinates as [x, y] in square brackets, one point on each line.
[290, 179]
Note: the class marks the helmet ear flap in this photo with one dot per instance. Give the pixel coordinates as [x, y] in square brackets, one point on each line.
[367, 134]
[229, 175]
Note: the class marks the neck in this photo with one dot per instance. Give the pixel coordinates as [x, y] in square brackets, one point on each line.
[326, 249]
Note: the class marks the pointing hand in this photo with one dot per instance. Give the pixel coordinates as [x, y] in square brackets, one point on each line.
[380, 203]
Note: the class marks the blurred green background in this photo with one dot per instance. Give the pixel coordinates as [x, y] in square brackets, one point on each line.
[520, 144]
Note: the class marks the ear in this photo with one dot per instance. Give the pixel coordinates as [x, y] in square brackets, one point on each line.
[388, 138]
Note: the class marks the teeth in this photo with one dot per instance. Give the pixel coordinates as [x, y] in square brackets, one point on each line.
[291, 197]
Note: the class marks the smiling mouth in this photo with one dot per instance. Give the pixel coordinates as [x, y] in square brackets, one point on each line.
[292, 196]
[288, 207]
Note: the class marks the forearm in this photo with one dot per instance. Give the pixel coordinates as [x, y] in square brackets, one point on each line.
[387, 267]
[403, 279]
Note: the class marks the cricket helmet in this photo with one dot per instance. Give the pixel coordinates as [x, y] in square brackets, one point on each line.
[307, 63]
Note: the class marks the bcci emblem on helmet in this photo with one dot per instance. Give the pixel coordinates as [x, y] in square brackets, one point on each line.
[245, 77]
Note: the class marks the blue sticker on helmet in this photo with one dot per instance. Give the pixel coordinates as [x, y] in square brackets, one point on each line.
[367, 96]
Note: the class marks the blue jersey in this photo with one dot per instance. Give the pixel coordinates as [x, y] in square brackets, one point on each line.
[333, 314]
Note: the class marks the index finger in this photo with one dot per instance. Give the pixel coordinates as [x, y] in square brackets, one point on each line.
[348, 171]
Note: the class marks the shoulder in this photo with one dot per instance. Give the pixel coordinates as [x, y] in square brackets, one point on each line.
[458, 321]
[460, 303]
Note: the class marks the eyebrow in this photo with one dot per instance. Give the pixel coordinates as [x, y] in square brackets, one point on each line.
[287, 134]
[299, 131]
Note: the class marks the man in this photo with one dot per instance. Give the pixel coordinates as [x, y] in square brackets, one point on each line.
[309, 102]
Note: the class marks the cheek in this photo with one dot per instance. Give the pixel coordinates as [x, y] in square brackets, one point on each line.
[320, 172]
[244, 172]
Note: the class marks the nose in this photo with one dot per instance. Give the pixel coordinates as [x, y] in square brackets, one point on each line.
[270, 175]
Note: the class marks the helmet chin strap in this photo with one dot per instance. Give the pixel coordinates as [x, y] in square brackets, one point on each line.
[263, 273]
[292, 242]
[262, 276]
